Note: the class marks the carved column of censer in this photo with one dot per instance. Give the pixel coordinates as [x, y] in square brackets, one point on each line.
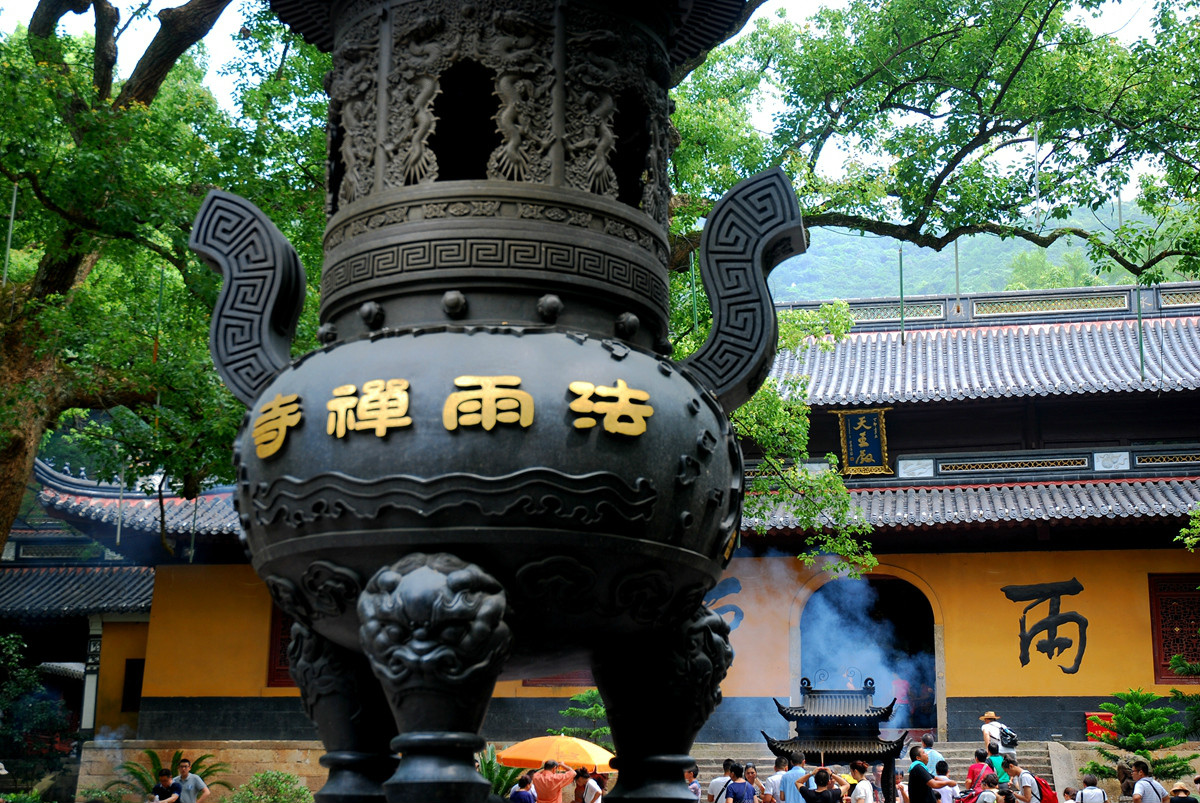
[492, 466]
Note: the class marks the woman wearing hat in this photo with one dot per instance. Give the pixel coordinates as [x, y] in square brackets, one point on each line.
[1181, 794]
[991, 733]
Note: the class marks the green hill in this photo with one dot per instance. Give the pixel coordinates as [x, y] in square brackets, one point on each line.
[842, 264]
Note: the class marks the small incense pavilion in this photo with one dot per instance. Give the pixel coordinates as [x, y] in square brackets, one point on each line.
[837, 726]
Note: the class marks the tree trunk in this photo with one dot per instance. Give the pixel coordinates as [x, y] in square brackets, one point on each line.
[31, 401]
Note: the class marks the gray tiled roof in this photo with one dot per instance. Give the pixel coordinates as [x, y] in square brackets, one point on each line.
[835, 703]
[1013, 502]
[211, 513]
[835, 750]
[883, 507]
[61, 591]
[999, 361]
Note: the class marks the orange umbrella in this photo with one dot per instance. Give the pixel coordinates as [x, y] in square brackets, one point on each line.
[575, 753]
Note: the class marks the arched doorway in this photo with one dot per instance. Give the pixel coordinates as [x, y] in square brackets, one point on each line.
[879, 627]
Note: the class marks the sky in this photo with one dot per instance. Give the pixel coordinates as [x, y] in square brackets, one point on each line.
[1126, 20]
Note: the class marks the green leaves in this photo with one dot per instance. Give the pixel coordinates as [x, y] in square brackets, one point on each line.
[1142, 727]
[590, 707]
[34, 724]
[927, 121]
[501, 777]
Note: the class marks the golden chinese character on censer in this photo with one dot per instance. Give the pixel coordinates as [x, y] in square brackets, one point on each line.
[382, 406]
[489, 400]
[623, 414]
[276, 417]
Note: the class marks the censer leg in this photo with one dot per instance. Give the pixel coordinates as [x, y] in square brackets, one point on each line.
[433, 628]
[659, 689]
[343, 699]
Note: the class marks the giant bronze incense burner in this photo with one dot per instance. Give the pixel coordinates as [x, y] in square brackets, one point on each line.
[492, 467]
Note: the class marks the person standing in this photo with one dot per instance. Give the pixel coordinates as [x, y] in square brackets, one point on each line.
[751, 776]
[192, 787]
[1021, 782]
[992, 728]
[550, 781]
[586, 784]
[689, 775]
[521, 793]
[1145, 788]
[941, 770]
[788, 782]
[976, 771]
[716, 787]
[1181, 794]
[934, 755]
[826, 791]
[921, 783]
[166, 790]
[738, 790]
[1090, 793]
[991, 789]
[771, 785]
[864, 790]
[997, 765]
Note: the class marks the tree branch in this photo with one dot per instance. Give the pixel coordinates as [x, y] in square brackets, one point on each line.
[86, 223]
[179, 28]
[105, 51]
[1029, 48]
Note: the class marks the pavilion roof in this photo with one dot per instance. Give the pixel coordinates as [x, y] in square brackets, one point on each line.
[836, 751]
[53, 592]
[211, 513]
[836, 703]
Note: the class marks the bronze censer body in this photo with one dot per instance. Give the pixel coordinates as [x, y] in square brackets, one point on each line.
[492, 467]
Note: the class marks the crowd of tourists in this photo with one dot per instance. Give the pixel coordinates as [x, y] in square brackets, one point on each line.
[550, 783]
[996, 776]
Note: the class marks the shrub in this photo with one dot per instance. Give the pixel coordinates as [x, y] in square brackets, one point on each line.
[272, 786]
[499, 776]
[103, 795]
[141, 778]
[1142, 729]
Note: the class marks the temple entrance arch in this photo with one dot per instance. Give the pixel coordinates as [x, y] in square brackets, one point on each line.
[887, 626]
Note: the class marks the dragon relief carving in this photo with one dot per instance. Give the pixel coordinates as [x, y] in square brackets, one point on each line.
[422, 49]
[353, 112]
[516, 46]
[591, 138]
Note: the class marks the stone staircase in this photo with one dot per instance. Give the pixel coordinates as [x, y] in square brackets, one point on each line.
[1034, 756]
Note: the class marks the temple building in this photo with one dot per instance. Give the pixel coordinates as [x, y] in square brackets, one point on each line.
[1026, 460]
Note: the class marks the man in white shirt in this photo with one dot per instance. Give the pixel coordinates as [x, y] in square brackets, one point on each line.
[194, 788]
[1145, 788]
[717, 785]
[771, 785]
[992, 727]
[1021, 782]
[591, 789]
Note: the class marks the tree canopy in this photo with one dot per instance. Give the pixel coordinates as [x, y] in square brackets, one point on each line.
[104, 307]
[923, 120]
[930, 121]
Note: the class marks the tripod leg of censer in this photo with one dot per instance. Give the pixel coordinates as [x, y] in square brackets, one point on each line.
[433, 628]
[659, 689]
[343, 699]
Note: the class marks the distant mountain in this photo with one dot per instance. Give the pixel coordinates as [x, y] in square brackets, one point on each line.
[842, 264]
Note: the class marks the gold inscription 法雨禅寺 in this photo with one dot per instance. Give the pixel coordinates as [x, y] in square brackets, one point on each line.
[623, 407]
[273, 422]
[487, 401]
[381, 406]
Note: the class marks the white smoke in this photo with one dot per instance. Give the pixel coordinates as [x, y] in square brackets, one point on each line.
[841, 645]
